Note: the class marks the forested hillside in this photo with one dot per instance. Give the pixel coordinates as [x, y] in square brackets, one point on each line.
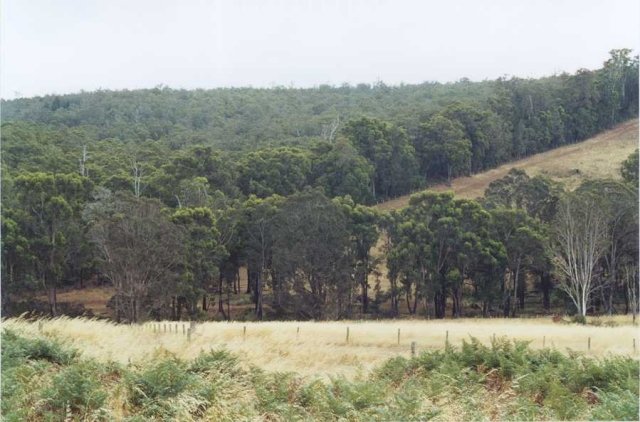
[599, 157]
[166, 194]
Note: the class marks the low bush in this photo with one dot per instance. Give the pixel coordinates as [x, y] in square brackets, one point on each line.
[16, 349]
[75, 391]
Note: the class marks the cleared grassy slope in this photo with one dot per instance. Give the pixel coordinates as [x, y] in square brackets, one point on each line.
[597, 157]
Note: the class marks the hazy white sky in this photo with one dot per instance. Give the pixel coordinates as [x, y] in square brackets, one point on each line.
[62, 46]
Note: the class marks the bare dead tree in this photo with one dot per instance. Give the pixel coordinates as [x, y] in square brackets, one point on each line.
[580, 238]
[329, 131]
[630, 279]
[137, 177]
[84, 171]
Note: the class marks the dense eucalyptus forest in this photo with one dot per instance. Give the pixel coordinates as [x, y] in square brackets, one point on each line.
[166, 194]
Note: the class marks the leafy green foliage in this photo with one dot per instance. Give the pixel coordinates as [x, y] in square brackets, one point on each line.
[16, 350]
[629, 169]
[76, 390]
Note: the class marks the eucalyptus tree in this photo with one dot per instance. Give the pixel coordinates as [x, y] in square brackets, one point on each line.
[538, 196]
[443, 149]
[524, 241]
[341, 171]
[580, 241]
[203, 255]
[17, 259]
[485, 130]
[370, 138]
[279, 171]
[618, 203]
[259, 218]
[437, 243]
[409, 261]
[51, 205]
[310, 255]
[389, 151]
[362, 226]
[140, 250]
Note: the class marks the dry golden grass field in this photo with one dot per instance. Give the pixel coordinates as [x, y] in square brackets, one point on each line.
[597, 157]
[321, 348]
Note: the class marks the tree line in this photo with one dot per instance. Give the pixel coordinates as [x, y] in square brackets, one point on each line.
[372, 143]
[169, 224]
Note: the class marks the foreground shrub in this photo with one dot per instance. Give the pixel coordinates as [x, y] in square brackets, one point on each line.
[16, 349]
[163, 379]
[619, 405]
[75, 391]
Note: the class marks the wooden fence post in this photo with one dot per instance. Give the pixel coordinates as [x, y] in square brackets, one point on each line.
[589, 344]
[189, 334]
[244, 333]
[413, 349]
[398, 336]
[347, 335]
[446, 339]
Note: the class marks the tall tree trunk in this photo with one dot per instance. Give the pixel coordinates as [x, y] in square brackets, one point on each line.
[506, 304]
[248, 280]
[180, 304]
[134, 310]
[456, 296]
[228, 303]
[220, 301]
[53, 301]
[522, 289]
[545, 282]
[118, 315]
[516, 277]
[439, 302]
[408, 299]
[259, 295]
[365, 293]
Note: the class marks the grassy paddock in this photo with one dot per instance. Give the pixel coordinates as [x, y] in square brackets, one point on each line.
[321, 348]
